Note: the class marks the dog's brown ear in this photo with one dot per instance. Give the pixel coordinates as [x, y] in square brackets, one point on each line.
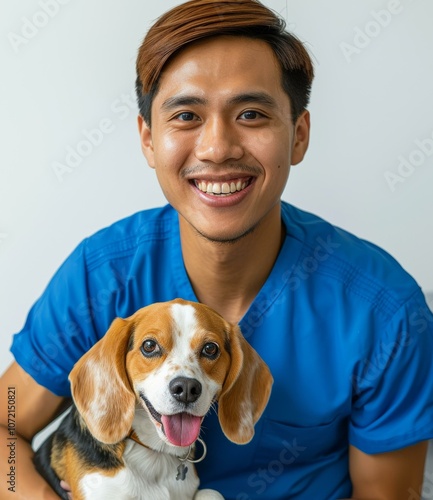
[100, 385]
[245, 392]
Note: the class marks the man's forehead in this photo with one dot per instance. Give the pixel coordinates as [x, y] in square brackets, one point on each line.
[211, 55]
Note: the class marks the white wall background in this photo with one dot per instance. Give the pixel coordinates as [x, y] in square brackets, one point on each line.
[72, 70]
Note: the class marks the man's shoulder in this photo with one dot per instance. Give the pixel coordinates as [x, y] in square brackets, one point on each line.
[362, 268]
[125, 235]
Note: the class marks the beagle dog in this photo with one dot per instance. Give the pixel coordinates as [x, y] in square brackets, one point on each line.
[140, 395]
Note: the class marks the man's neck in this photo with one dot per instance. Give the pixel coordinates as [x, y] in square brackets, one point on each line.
[228, 276]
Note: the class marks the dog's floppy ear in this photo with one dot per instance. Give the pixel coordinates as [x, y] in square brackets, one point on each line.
[245, 392]
[100, 385]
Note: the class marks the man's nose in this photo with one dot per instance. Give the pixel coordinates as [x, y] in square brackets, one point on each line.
[218, 142]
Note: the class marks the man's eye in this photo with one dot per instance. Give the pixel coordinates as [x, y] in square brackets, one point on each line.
[251, 115]
[186, 117]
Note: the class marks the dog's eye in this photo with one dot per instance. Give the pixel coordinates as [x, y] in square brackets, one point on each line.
[210, 350]
[150, 348]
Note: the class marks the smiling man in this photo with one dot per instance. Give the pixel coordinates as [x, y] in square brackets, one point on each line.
[223, 91]
[221, 103]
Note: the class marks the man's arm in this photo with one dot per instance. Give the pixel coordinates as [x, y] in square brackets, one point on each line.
[396, 474]
[25, 409]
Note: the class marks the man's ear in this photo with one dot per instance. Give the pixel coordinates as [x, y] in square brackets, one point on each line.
[146, 141]
[301, 138]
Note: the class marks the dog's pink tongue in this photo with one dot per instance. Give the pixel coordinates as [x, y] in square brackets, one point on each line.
[181, 429]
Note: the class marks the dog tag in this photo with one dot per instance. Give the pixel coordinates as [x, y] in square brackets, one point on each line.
[181, 472]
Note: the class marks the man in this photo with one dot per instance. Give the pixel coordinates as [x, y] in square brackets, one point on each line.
[346, 332]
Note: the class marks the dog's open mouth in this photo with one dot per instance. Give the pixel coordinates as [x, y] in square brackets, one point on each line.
[181, 429]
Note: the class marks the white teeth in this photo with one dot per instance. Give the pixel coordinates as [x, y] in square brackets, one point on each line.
[221, 188]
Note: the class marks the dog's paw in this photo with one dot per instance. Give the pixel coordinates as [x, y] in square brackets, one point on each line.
[208, 495]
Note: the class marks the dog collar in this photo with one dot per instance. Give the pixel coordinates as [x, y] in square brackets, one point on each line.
[182, 469]
[133, 435]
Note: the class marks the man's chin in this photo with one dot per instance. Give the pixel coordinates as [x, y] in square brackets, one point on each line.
[224, 237]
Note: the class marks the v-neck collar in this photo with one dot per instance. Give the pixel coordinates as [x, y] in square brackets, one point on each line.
[271, 289]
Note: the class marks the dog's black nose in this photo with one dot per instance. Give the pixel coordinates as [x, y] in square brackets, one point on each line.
[185, 390]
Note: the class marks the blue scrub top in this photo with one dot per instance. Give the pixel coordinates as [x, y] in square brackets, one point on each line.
[344, 329]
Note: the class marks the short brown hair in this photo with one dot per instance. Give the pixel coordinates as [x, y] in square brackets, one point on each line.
[198, 19]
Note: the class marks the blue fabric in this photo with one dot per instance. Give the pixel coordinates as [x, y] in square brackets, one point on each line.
[345, 330]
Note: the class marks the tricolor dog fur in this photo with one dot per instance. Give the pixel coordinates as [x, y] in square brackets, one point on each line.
[140, 395]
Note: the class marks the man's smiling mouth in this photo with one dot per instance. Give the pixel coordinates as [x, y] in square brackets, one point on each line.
[225, 188]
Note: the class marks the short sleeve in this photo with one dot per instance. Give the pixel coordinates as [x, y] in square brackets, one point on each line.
[393, 385]
[59, 328]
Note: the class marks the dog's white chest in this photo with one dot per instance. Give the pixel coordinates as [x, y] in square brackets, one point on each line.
[147, 475]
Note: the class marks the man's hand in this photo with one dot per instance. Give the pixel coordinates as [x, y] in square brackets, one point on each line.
[66, 487]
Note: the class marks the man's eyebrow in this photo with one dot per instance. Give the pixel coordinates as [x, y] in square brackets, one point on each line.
[253, 97]
[243, 98]
[182, 100]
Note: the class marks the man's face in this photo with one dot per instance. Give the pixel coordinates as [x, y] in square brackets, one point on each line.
[222, 139]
